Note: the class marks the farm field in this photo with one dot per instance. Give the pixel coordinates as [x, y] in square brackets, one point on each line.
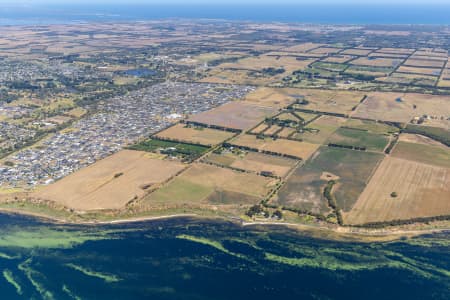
[424, 63]
[259, 63]
[350, 169]
[371, 126]
[172, 148]
[304, 47]
[329, 100]
[419, 70]
[376, 62]
[273, 97]
[421, 191]
[359, 138]
[203, 184]
[238, 115]
[301, 150]
[438, 155]
[318, 131]
[253, 161]
[110, 183]
[403, 107]
[338, 59]
[192, 134]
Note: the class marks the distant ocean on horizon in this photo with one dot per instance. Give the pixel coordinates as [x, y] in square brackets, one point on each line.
[324, 14]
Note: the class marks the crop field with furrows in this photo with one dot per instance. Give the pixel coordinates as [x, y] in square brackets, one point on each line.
[402, 189]
[110, 183]
[235, 115]
[350, 170]
[192, 134]
[301, 150]
[203, 184]
[254, 161]
[359, 138]
[318, 131]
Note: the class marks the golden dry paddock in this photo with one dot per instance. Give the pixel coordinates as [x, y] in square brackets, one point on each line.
[302, 150]
[197, 135]
[110, 183]
[236, 115]
[403, 107]
[421, 190]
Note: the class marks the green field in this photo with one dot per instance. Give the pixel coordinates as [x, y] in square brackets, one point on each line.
[318, 131]
[439, 134]
[177, 149]
[359, 138]
[371, 126]
[304, 189]
[427, 154]
[334, 67]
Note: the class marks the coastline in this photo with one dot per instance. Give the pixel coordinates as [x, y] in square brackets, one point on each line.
[320, 230]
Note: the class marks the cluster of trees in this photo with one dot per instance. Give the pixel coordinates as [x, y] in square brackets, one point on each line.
[405, 222]
[258, 209]
[347, 147]
[327, 193]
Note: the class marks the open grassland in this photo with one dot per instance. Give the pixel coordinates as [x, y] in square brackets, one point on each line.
[110, 183]
[376, 62]
[325, 50]
[305, 47]
[402, 107]
[255, 162]
[340, 59]
[356, 51]
[236, 115]
[413, 79]
[438, 155]
[259, 63]
[196, 135]
[328, 100]
[419, 70]
[350, 169]
[273, 97]
[424, 63]
[368, 71]
[421, 191]
[207, 184]
[297, 149]
[318, 131]
[370, 126]
[359, 138]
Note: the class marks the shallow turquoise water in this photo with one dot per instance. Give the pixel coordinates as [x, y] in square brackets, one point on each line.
[191, 259]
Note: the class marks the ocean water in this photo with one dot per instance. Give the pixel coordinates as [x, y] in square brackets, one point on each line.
[194, 259]
[328, 14]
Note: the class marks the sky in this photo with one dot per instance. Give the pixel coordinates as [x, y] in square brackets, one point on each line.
[209, 2]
